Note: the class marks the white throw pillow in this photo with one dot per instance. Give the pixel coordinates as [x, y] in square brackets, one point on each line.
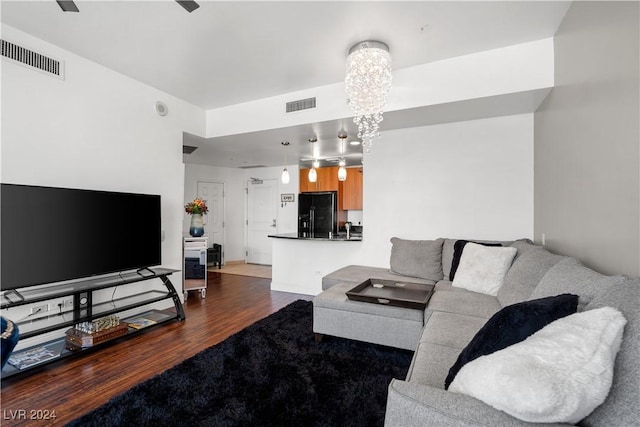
[559, 374]
[482, 268]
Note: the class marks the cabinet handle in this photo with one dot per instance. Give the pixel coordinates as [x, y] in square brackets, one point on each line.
[383, 301]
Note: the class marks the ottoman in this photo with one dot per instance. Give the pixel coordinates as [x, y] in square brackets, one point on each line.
[335, 314]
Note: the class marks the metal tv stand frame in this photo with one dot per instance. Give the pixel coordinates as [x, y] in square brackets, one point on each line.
[81, 308]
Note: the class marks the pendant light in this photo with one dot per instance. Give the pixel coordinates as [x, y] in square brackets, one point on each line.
[313, 175]
[285, 173]
[342, 170]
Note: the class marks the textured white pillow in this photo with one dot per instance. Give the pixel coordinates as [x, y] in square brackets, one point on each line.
[559, 374]
[482, 268]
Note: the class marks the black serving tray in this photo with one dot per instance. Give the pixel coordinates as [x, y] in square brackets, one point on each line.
[391, 292]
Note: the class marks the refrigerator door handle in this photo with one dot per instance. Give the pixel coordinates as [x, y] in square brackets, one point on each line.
[312, 221]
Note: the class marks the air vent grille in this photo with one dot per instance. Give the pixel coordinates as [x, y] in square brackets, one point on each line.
[32, 59]
[302, 104]
[188, 149]
[252, 166]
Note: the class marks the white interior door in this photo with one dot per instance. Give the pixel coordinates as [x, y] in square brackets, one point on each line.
[213, 194]
[262, 211]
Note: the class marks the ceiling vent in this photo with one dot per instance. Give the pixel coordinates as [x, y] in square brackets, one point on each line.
[252, 166]
[188, 149]
[33, 60]
[302, 104]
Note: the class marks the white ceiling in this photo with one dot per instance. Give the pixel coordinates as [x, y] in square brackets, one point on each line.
[231, 52]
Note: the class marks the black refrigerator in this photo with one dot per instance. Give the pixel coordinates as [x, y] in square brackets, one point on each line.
[317, 214]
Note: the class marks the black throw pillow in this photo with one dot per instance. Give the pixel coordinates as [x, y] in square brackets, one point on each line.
[513, 324]
[458, 246]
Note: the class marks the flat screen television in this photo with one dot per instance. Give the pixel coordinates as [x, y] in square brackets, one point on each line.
[56, 234]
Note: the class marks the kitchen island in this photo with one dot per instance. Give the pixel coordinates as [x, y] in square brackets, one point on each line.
[340, 237]
[299, 263]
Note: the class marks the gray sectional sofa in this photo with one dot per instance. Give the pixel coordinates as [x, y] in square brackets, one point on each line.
[453, 317]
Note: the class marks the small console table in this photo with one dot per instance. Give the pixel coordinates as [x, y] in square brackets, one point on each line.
[75, 304]
[195, 265]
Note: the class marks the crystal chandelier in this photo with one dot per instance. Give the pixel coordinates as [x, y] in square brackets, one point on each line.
[367, 84]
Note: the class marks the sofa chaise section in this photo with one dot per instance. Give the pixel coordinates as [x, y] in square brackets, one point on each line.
[454, 316]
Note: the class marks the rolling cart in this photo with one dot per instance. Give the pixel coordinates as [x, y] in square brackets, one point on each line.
[195, 265]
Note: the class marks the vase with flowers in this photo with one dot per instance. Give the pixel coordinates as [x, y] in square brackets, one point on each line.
[196, 209]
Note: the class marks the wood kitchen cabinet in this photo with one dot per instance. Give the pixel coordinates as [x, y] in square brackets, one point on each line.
[305, 185]
[327, 180]
[351, 191]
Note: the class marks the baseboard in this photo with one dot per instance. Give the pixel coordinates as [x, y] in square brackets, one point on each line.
[286, 287]
[239, 261]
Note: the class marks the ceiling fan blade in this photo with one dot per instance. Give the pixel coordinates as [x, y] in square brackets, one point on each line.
[67, 6]
[189, 5]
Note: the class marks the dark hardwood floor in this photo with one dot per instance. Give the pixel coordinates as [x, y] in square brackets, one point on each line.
[75, 386]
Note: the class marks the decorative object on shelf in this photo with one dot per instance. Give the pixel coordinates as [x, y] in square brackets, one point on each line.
[285, 173]
[367, 84]
[196, 229]
[88, 334]
[140, 323]
[342, 170]
[76, 340]
[196, 209]
[98, 325]
[33, 356]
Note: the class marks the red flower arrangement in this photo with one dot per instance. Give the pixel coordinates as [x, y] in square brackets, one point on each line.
[198, 206]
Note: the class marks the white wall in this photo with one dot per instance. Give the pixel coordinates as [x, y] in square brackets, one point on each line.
[233, 180]
[96, 129]
[504, 71]
[235, 184]
[470, 179]
[587, 145]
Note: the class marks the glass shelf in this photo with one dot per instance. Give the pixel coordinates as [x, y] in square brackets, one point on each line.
[39, 355]
[42, 293]
[33, 327]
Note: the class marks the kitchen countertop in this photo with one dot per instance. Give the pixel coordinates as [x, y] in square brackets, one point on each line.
[340, 237]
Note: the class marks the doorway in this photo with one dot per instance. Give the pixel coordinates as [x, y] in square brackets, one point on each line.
[213, 195]
[262, 212]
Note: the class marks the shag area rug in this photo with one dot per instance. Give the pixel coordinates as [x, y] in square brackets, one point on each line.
[272, 373]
